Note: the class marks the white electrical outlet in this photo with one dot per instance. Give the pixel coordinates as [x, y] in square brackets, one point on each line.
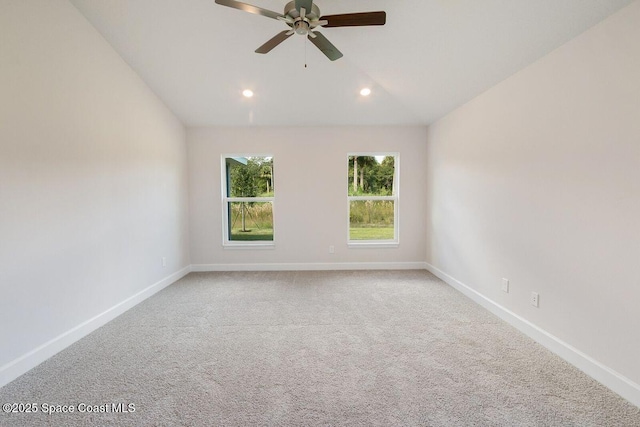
[164, 261]
[535, 299]
[505, 285]
[332, 249]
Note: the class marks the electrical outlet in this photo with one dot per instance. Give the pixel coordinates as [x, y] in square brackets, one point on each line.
[535, 299]
[164, 261]
[332, 249]
[505, 285]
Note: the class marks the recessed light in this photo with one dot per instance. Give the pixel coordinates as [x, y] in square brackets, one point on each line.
[365, 91]
[247, 93]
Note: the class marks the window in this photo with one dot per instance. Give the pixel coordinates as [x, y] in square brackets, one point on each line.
[372, 196]
[247, 200]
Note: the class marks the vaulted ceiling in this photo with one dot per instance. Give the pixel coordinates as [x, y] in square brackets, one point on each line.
[431, 57]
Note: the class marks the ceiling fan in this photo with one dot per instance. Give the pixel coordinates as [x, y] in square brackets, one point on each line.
[303, 17]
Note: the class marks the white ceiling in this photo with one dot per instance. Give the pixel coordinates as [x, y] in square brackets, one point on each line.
[430, 57]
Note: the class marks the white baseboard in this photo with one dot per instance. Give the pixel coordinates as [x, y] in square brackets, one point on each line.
[601, 373]
[30, 360]
[311, 266]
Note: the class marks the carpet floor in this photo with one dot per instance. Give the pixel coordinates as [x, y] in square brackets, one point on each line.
[357, 348]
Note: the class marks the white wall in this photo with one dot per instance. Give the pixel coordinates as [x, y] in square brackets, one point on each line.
[538, 181]
[93, 181]
[310, 168]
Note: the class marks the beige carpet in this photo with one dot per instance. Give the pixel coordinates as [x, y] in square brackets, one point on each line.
[389, 348]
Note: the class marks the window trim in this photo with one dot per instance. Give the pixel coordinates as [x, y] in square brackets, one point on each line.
[244, 244]
[389, 243]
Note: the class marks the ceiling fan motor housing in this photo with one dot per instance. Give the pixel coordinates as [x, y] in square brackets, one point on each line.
[311, 15]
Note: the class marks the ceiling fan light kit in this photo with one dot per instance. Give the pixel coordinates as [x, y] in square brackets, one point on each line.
[303, 17]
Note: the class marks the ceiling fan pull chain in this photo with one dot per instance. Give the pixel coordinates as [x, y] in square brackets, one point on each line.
[305, 52]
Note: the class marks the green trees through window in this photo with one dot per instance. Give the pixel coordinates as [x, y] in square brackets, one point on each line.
[249, 194]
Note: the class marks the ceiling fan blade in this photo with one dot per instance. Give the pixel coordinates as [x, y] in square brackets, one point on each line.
[325, 46]
[249, 8]
[355, 19]
[306, 4]
[275, 41]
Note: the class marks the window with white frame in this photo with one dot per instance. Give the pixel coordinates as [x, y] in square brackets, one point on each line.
[247, 200]
[372, 197]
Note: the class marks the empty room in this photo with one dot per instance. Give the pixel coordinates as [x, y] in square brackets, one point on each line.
[375, 213]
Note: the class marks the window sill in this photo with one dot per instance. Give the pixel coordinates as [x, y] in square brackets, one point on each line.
[370, 244]
[245, 246]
